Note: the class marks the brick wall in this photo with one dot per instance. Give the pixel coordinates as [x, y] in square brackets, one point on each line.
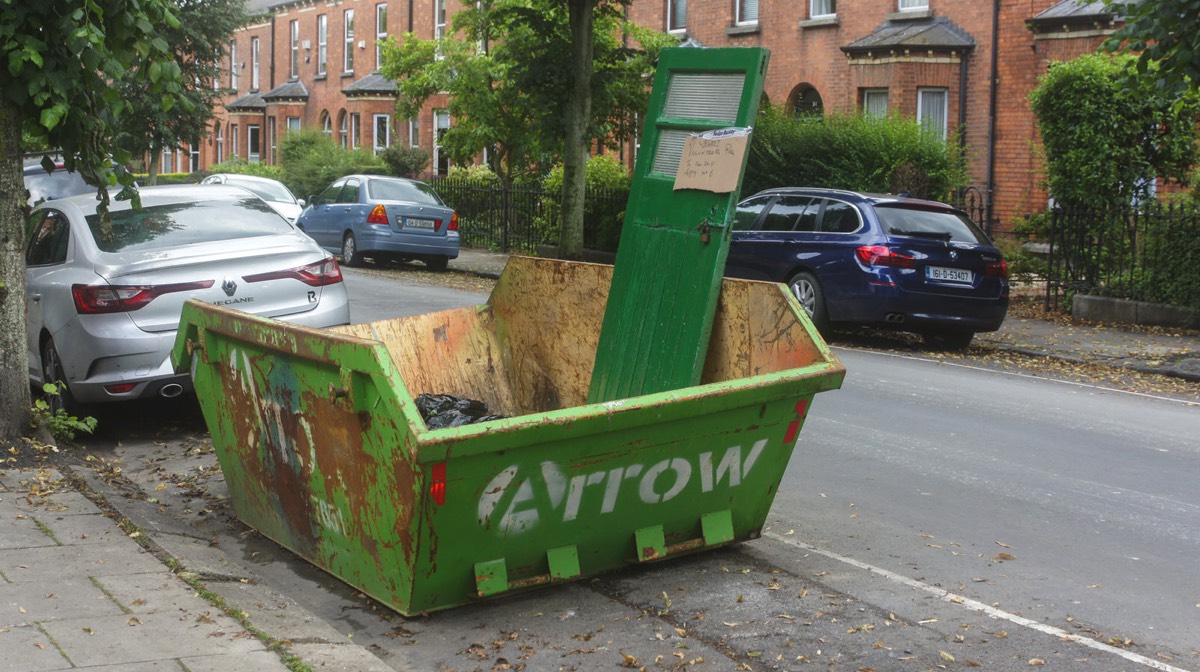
[806, 54]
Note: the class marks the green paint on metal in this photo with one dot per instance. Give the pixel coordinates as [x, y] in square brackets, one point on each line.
[675, 241]
[355, 483]
[564, 562]
[717, 527]
[651, 543]
[491, 577]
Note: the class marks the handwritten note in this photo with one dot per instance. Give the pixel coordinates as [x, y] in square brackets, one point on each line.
[712, 161]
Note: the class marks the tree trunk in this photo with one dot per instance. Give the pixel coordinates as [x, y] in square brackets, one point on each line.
[578, 113]
[14, 372]
[152, 168]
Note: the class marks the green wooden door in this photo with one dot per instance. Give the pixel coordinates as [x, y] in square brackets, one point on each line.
[674, 240]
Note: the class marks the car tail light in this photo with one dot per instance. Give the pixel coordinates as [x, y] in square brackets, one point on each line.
[378, 216]
[453, 222]
[997, 269]
[120, 388]
[97, 299]
[882, 255]
[326, 272]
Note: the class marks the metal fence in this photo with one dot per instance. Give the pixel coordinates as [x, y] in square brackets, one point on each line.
[1143, 253]
[519, 218]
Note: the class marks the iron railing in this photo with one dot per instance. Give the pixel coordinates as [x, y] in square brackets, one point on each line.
[520, 218]
[1142, 252]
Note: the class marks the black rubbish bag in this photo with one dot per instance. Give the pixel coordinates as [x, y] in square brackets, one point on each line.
[443, 410]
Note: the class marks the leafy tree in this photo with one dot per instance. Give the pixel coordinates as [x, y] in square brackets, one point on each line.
[531, 81]
[59, 59]
[1105, 136]
[1165, 35]
[200, 42]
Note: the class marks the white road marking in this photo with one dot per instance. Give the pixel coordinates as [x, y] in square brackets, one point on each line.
[975, 605]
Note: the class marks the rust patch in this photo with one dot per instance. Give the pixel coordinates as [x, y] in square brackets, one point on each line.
[649, 553]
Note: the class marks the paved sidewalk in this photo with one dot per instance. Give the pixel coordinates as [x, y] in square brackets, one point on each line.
[76, 591]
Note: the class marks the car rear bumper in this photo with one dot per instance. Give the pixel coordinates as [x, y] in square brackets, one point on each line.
[892, 307]
[384, 241]
[143, 359]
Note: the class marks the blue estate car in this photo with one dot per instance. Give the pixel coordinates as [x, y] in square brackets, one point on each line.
[870, 260]
[371, 216]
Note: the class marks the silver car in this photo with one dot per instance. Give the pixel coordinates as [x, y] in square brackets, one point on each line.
[103, 310]
[274, 192]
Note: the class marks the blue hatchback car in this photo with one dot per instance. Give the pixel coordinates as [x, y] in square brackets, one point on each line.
[377, 217]
[871, 260]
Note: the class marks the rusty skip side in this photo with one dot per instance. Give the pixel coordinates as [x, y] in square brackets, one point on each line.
[324, 450]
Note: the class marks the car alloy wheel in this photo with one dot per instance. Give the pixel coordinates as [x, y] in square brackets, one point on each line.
[350, 253]
[808, 292]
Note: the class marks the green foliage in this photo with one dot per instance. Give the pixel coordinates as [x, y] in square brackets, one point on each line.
[239, 166]
[1165, 35]
[198, 42]
[508, 71]
[608, 185]
[311, 160]
[61, 425]
[60, 60]
[170, 178]
[1106, 136]
[405, 161]
[881, 155]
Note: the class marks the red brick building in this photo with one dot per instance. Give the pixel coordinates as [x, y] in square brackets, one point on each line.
[963, 68]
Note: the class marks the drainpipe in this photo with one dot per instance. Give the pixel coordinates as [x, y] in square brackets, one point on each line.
[992, 90]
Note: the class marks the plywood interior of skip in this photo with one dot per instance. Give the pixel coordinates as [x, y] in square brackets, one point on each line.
[532, 346]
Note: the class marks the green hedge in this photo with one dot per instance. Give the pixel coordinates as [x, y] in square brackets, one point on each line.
[855, 152]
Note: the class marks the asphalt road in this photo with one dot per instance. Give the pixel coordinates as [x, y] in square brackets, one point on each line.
[938, 472]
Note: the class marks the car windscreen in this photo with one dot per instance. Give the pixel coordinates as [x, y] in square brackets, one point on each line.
[395, 190]
[268, 191]
[174, 224]
[45, 186]
[901, 219]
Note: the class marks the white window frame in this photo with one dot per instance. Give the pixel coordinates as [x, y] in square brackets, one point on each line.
[674, 24]
[233, 141]
[254, 51]
[344, 130]
[926, 97]
[913, 5]
[327, 124]
[439, 19]
[348, 40]
[233, 67]
[294, 71]
[194, 156]
[440, 117]
[322, 43]
[868, 95]
[747, 12]
[355, 130]
[386, 141]
[272, 141]
[293, 124]
[819, 9]
[220, 143]
[253, 132]
[380, 32]
[167, 162]
[414, 132]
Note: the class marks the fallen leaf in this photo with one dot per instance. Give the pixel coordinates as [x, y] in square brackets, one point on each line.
[946, 657]
[1001, 557]
[1036, 661]
[1001, 544]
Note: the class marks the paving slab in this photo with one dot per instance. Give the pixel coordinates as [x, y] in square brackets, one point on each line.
[19, 529]
[140, 638]
[76, 562]
[36, 601]
[159, 592]
[277, 614]
[340, 658]
[258, 661]
[28, 649]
